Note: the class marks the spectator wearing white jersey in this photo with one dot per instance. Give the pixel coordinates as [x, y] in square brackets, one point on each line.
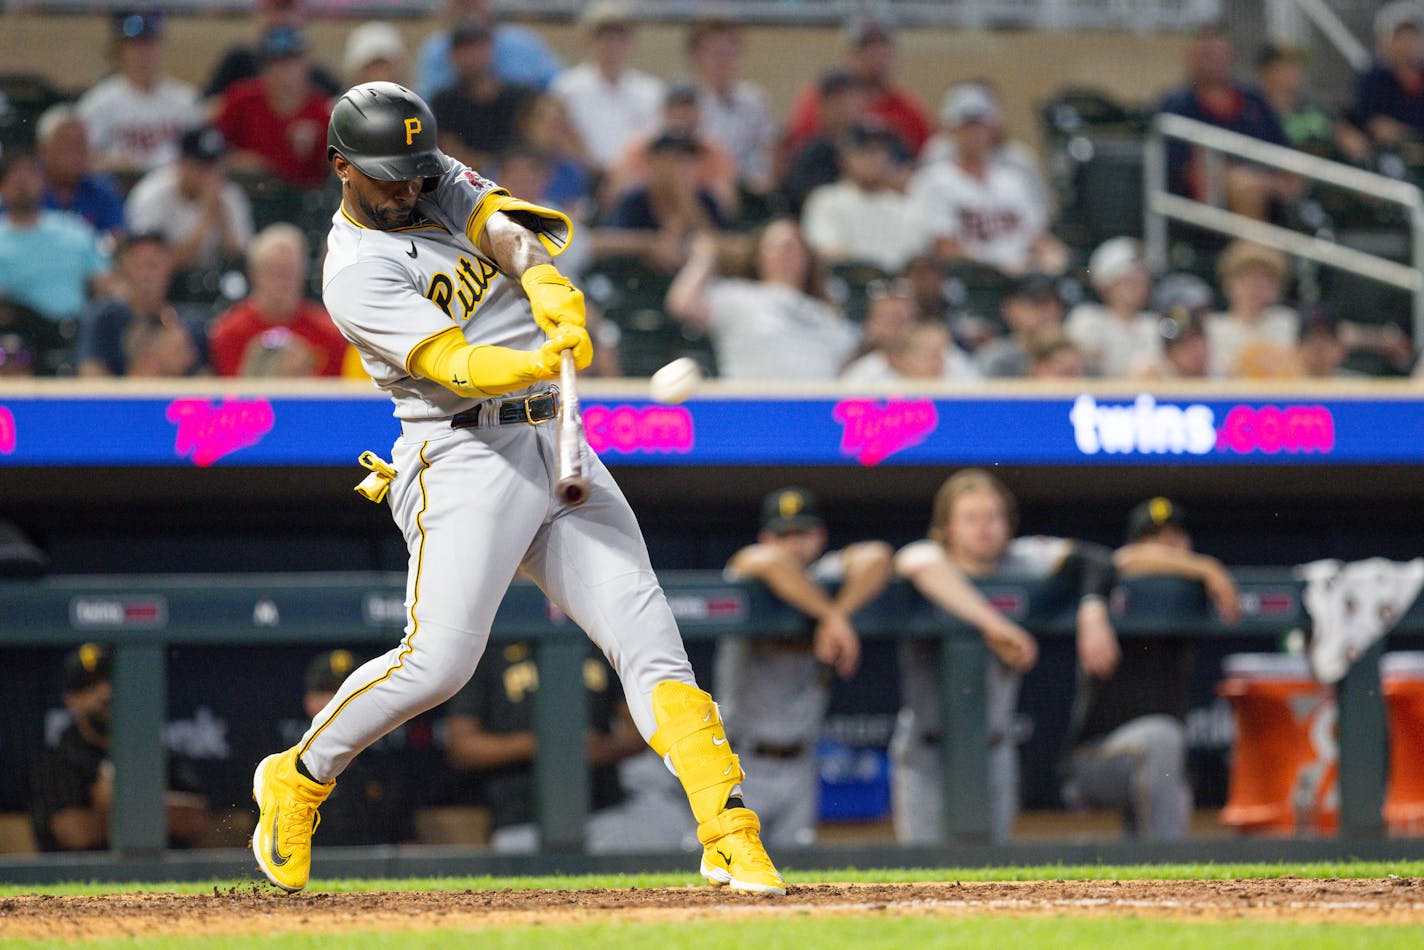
[777, 326]
[863, 217]
[1116, 333]
[981, 210]
[136, 114]
[609, 102]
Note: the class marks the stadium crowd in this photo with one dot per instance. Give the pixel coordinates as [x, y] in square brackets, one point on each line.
[156, 229]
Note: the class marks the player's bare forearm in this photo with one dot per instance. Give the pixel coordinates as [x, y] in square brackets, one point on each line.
[513, 247]
[867, 571]
[785, 579]
[945, 585]
[80, 829]
[1149, 558]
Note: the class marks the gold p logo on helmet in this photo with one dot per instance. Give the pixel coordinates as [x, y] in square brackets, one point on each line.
[1160, 510]
[412, 129]
[791, 504]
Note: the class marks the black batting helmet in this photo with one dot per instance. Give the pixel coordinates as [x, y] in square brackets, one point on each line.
[386, 131]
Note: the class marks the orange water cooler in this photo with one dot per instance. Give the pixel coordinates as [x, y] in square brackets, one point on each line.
[1285, 763]
[1402, 677]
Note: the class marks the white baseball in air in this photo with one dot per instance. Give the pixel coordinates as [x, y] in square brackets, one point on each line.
[676, 381]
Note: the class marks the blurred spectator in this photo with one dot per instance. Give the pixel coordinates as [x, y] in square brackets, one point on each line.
[978, 209]
[926, 351]
[890, 315]
[609, 102]
[775, 692]
[373, 804]
[870, 54]
[1117, 332]
[845, 103]
[1308, 125]
[1055, 357]
[276, 122]
[205, 218]
[138, 332]
[476, 114]
[1033, 312]
[1127, 739]
[927, 286]
[1321, 353]
[244, 62]
[136, 114]
[276, 330]
[1183, 302]
[656, 221]
[17, 356]
[1212, 95]
[777, 326]
[1389, 98]
[1256, 336]
[521, 55]
[71, 184]
[716, 171]
[972, 527]
[375, 52]
[1015, 154]
[543, 125]
[74, 783]
[863, 217]
[50, 261]
[735, 113]
[490, 728]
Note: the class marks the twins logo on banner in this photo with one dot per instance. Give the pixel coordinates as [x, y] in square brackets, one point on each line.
[873, 432]
[7, 431]
[209, 432]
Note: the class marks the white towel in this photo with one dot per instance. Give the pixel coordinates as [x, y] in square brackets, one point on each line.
[1353, 605]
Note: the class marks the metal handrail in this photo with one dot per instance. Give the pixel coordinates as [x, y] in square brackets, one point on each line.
[1160, 205]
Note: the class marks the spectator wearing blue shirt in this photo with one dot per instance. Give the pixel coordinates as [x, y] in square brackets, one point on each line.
[70, 181]
[50, 261]
[1389, 97]
[1212, 95]
[521, 56]
[137, 332]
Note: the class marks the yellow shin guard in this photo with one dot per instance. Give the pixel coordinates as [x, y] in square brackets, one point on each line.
[692, 742]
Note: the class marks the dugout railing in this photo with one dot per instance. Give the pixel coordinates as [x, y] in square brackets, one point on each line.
[143, 616]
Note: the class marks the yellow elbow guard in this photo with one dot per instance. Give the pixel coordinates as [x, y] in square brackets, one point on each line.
[553, 228]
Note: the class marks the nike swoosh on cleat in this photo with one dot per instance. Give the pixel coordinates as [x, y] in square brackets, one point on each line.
[727, 770]
[721, 741]
[278, 858]
[412, 252]
[724, 856]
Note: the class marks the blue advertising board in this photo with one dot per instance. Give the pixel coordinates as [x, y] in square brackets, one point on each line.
[44, 429]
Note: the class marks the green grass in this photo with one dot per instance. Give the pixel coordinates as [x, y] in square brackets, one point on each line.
[825, 933]
[1088, 872]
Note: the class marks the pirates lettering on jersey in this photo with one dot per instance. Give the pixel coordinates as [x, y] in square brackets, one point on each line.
[471, 280]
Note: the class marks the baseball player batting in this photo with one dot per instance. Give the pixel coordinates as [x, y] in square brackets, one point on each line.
[444, 284]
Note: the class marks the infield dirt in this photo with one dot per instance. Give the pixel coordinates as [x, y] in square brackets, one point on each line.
[253, 908]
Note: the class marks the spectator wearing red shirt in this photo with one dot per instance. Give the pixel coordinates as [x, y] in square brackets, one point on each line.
[276, 123]
[276, 330]
[871, 57]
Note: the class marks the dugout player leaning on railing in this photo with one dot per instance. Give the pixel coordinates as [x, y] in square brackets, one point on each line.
[971, 536]
[1127, 742]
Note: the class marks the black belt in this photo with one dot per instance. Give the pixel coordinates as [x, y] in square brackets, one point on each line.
[540, 407]
[767, 750]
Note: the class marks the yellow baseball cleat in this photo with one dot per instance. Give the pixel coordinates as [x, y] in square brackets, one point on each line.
[287, 802]
[733, 855]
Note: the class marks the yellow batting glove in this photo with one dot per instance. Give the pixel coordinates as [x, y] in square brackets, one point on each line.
[548, 359]
[556, 302]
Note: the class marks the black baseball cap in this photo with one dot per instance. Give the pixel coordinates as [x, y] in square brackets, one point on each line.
[327, 671]
[138, 25]
[87, 665]
[469, 31]
[203, 144]
[674, 142]
[1151, 515]
[790, 509]
[1035, 286]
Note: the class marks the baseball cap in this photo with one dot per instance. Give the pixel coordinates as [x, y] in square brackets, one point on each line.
[968, 102]
[86, 665]
[836, 81]
[469, 31]
[1152, 514]
[1114, 258]
[138, 25]
[790, 509]
[281, 42]
[1034, 286]
[674, 142]
[202, 144]
[680, 93]
[864, 28]
[327, 671]
[372, 42]
[862, 135]
[1182, 293]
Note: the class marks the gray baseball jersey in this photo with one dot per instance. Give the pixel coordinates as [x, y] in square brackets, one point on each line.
[917, 773]
[476, 505]
[773, 696]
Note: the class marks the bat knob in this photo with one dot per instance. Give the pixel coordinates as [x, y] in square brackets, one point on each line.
[572, 491]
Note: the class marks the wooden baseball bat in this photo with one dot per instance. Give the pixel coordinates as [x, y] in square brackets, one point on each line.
[573, 482]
